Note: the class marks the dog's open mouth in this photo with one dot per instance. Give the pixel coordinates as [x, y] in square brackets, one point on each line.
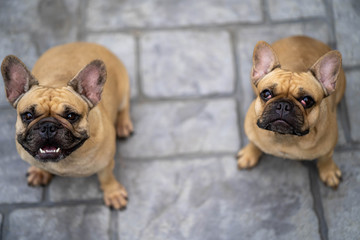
[49, 153]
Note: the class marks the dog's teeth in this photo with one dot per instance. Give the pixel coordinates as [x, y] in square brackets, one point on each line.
[50, 151]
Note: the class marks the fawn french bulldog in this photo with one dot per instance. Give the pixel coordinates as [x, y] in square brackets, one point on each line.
[69, 110]
[298, 83]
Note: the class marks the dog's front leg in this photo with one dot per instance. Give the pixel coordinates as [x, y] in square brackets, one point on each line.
[115, 194]
[38, 177]
[329, 173]
[249, 156]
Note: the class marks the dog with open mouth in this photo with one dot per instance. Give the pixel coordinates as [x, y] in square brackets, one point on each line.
[69, 110]
[298, 83]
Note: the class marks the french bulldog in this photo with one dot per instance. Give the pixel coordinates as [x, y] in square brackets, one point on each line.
[69, 110]
[298, 82]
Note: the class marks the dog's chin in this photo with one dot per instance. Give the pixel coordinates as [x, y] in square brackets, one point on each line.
[282, 127]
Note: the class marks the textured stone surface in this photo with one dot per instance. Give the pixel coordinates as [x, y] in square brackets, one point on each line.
[210, 199]
[180, 168]
[352, 96]
[62, 189]
[156, 13]
[48, 22]
[80, 222]
[19, 45]
[163, 129]
[347, 17]
[186, 63]
[35, 26]
[249, 36]
[292, 9]
[123, 46]
[342, 206]
[13, 186]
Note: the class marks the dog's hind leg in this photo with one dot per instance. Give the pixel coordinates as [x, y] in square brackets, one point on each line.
[115, 194]
[124, 126]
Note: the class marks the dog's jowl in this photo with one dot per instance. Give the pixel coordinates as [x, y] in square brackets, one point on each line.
[298, 82]
[69, 110]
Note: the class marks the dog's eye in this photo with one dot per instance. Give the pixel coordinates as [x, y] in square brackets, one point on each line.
[72, 117]
[27, 117]
[307, 102]
[266, 95]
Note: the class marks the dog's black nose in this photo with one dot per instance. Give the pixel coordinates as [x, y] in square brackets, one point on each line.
[283, 108]
[48, 130]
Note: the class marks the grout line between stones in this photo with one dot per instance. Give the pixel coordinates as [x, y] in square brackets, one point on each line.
[9, 207]
[138, 76]
[237, 88]
[113, 231]
[265, 12]
[82, 20]
[2, 232]
[183, 157]
[220, 27]
[330, 21]
[317, 200]
[344, 120]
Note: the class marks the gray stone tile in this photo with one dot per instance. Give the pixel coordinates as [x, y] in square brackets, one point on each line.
[62, 189]
[211, 199]
[352, 94]
[20, 45]
[48, 22]
[156, 13]
[286, 10]
[123, 46]
[80, 222]
[342, 206]
[247, 38]
[13, 185]
[186, 63]
[163, 129]
[347, 17]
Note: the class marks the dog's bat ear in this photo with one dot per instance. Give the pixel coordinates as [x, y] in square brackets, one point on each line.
[17, 79]
[89, 82]
[326, 70]
[264, 61]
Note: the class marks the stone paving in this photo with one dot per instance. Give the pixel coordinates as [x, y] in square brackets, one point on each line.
[189, 63]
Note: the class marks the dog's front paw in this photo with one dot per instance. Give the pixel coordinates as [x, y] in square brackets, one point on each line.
[37, 177]
[115, 196]
[245, 160]
[330, 174]
[124, 128]
[248, 157]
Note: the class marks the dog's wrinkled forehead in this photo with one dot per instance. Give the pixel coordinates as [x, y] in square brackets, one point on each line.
[287, 83]
[51, 100]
